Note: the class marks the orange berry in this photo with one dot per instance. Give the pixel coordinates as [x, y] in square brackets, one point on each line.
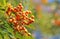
[21, 7]
[25, 30]
[15, 22]
[24, 22]
[20, 4]
[8, 11]
[25, 18]
[29, 12]
[32, 20]
[14, 19]
[18, 27]
[15, 10]
[21, 28]
[32, 17]
[29, 22]
[10, 20]
[29, 34]
[17, 17]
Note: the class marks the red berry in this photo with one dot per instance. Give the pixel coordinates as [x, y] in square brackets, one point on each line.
[18, 17]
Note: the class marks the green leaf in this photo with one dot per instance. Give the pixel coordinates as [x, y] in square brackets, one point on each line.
[2, 3]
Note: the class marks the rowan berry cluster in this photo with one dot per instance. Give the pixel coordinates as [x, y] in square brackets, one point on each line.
[20, 19]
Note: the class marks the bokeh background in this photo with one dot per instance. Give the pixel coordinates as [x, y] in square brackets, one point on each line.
[46, 12]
